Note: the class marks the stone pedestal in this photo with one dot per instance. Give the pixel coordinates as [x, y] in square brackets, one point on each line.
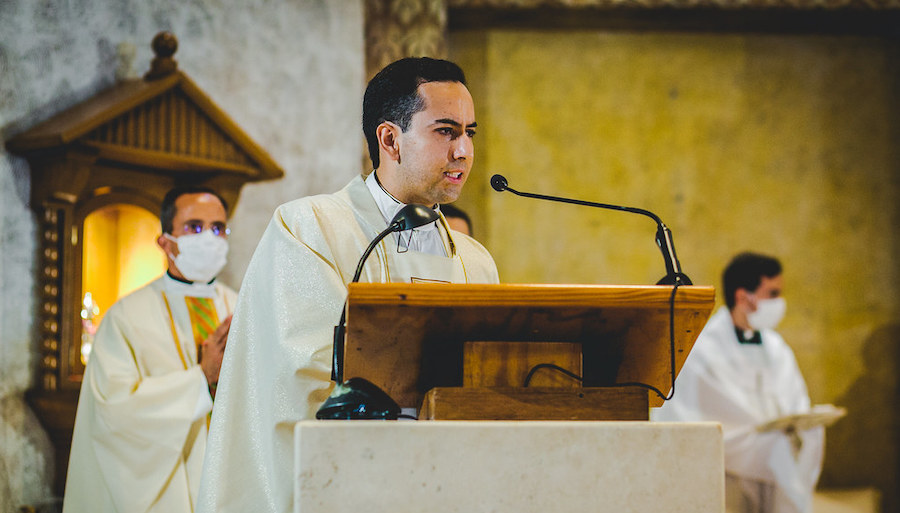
[471, 466]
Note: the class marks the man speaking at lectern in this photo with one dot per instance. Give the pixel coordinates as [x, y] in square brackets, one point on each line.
[419, 120]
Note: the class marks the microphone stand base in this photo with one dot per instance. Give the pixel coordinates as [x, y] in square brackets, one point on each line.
[672, 279]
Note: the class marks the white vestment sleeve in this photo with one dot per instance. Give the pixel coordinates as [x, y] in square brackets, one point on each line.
[277, 367]
[204, 401]
[702, 395]
[797, 472]
[136, 418]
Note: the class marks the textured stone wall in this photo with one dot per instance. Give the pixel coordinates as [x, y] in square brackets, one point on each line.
[781, 144]
[291, 74]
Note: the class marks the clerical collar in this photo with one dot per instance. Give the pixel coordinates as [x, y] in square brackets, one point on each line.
[748, 336]
[189, 288]
[425, 239]
[182, 280]
[375, 177]
[388, 204]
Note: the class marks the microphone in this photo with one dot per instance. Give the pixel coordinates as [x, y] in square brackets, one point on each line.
[663, 234]
[499, 183]
[409, 217]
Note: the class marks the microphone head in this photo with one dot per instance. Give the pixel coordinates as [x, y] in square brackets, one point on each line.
[499, 183]
[413, 216]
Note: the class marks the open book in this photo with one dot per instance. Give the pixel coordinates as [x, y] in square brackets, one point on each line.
[818, 415]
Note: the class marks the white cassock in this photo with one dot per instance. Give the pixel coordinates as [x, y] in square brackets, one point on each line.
[141, 424]
[743, 386]
[277, 367]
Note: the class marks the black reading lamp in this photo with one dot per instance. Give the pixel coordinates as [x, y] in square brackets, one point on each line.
[358, 398]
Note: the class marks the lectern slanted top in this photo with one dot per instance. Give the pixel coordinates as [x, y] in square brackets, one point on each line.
[411, 338]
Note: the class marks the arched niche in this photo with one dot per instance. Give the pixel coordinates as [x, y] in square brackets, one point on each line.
[118, 254]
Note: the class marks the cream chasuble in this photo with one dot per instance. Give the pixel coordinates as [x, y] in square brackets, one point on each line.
[277, 367]
[140, 429]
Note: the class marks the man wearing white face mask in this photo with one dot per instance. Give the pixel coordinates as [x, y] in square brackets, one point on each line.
[142, 421]
[741, 373]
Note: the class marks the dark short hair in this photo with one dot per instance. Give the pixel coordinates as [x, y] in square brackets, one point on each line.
[167, 210]
[746, 271]
[451, 211]
[392, 95]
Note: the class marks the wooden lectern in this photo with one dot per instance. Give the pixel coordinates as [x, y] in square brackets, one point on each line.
[462, 352]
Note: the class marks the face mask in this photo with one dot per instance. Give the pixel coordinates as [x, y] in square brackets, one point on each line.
[768, 314]
[200, 256]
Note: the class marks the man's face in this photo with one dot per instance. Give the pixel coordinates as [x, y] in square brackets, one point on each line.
[202, 210]
[436, 151]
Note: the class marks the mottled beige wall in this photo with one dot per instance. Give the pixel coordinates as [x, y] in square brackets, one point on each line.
[776, 143]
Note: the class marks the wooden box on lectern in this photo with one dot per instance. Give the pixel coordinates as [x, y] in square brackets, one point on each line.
[462, 352]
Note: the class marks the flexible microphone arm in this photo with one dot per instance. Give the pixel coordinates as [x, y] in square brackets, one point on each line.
[409, 217]
[663, 234]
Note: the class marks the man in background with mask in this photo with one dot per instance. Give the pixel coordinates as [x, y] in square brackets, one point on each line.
[741, 373]
[140, 431]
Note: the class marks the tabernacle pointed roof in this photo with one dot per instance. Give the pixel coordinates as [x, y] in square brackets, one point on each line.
[162, 121]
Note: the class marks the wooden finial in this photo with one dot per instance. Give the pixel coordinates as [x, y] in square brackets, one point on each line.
[164, 46]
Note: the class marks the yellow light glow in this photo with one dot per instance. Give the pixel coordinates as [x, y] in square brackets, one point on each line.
[120, 253]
